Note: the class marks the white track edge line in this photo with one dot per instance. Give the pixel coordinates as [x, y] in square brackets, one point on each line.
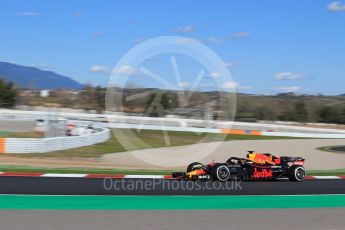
[63, 175]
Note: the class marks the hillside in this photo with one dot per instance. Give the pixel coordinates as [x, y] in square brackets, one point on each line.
[281, 107]
[34, 78]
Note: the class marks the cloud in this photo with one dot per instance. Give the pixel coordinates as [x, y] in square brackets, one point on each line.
[42, 66]
[101, 69]
[287, 89]
[124, 70]
[231, 64]
[288, 76]
[336, 6]
[98, 34]
[239, 35]
[185, 41]
[230, 85]
[234, 85]
[28, 13]
[215, 74]
[185, 29]
[183, 84]
[78, 13]
[214, 40]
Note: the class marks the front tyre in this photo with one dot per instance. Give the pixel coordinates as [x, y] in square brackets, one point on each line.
[297, 173]
[221, 173]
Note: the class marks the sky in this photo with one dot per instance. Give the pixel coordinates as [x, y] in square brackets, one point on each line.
[268, 46]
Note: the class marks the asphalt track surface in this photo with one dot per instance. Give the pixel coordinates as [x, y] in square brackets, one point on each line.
[97, 186]
[303, 219]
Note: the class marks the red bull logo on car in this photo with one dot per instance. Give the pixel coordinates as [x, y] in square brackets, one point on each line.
[263, 173]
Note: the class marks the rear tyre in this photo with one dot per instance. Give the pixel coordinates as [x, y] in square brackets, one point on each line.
[194, 166]
[221, 173]
[297, 173]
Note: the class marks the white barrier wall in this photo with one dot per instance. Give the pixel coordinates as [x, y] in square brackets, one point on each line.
[231, 131]
[180, 124]
[306, 135]
[8, 114]
[43, 145]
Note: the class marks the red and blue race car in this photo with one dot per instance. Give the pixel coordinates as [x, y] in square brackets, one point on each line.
[256, 166]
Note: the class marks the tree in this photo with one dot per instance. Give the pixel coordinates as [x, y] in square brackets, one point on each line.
[289, 115]
[265, 113]
[330, 114]
[8, 94]
[92, 98]
[298, 113]
[100, 98]
[157, 103]
[301, 112]
[343, 116]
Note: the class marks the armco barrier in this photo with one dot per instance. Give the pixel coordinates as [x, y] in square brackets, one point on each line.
[43, 145]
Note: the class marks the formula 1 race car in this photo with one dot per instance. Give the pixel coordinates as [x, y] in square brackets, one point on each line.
[257, 166]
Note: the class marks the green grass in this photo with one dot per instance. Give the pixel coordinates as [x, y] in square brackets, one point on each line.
[328, 149]
[2, 133]
[31, 202]
[29, 169]
[339, 172]
[21, 135]
[148, 139]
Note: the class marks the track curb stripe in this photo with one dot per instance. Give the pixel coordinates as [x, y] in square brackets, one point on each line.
[22, 174]
[121, 176]
[327, 177]
[114, 176]
[144, 177]
[63, 175]
[310, 178]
